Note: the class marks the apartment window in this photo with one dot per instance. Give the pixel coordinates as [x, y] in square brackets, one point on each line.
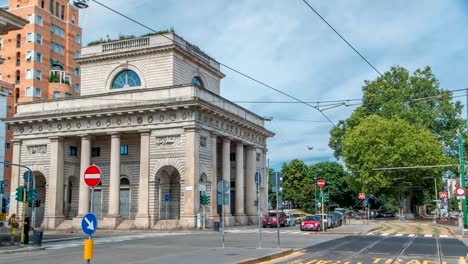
[9, 109]
[29, 92]
[35, 19]
[29, 74]
[63, 12]
[42, 3]
[1, 76]
[56, 94]
[77, 71]
[57, 10]
[34, 37]
[73, 151]
[51, 6]
[68, 95]
[95, 152]
[29, 54]
[18, 77]
[124, 150]
[37, 74]
[78, 38]
[38, 38]
[38, 56]
[77, 54]
[1, 43]
[7, 145]
[29, 37]
[55, 47]
[73, 19]
[18, 41]
[57, 30]
[18, 58]
[8, 127]
[77, 88]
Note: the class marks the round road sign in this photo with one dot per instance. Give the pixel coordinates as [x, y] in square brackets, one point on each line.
[222, 187]
[460, 191]
[92, 176]
[321, 183]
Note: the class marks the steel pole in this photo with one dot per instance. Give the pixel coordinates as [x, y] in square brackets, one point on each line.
[462, 179]
[315, 191]
[323, 211]
[277, 210]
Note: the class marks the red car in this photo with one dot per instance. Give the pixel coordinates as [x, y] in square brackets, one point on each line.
[313, 222]
[270, 219]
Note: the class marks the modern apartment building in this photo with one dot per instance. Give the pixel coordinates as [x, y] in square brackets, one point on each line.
[40, 58]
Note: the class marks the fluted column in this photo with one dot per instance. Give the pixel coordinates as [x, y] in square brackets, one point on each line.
[227, 172]
[240, 212]
[15, 174]
[55, 184]
[85, 161]
[214, 178]
[142, 217]
[250, 184]
[114, 183]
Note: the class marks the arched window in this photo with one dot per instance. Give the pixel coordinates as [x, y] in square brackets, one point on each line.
[18, 77]
[18, 58]
[197, 81]
[124, 181]
[126, 79]
[18, 41]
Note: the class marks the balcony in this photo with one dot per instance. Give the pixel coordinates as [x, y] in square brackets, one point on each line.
[57, 76]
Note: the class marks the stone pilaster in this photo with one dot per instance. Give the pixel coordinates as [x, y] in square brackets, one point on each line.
[214, 180]
[15, 176]
[113, 217]
[142, 217]
[85, 161]
[55, 200]
[240, 212]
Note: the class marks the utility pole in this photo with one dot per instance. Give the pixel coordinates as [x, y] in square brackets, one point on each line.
[462, 178]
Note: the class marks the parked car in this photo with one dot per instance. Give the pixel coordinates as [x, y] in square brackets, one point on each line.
[271, 219]
[299, 217]
[328, 221]
[350, 214]
[334, 221]
[360, 216]
[313, 222]
[340, 218]
[290, 220]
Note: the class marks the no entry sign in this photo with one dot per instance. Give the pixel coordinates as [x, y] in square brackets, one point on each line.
[321, 183]
[92, 176]
[459, 191]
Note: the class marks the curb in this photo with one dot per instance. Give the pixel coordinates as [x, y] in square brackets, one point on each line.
[21, 250]
[267, 257]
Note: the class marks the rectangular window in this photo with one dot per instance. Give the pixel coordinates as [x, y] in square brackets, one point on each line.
[37, 92]
[42, 3]
[124, 150]
[55, 47]
[77, 54]
[38, 38]
[73, 151]
[29, 37]
[29, 92]
[77, 71]
[77, 88]
[56, 94]
[57, 10]
[51, 6]
[232, 157]
[63, 12]
[37, 74]
[73, 19]
[29, 74]
[68, 95]
[95, 152]
[38, 57]
[35, 19]
[56, 30]
[8, 127]
[29, 54]
[7, 145]
[78, 38]
[1, 76]
[1, 43]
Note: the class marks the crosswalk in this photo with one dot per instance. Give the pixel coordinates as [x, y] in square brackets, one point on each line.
[406, 235]
[274, 231]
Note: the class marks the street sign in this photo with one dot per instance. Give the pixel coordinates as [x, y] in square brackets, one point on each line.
[321, 183]
[27, 176]
[92, 176]
[258, 178]
[362, 196]
[202, 187]
[276, 179]
[280, 200]
[442, 195]
[166, 198]
[89, 224]
[459, 191]
[222, 186]
[223, 199]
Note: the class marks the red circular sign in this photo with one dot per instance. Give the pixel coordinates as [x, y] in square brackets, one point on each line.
[321, 183]
[92, 176]
[460, 191]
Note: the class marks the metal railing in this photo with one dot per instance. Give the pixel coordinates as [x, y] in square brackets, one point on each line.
[58, 76]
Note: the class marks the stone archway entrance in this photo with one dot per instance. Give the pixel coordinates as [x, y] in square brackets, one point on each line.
[168, 186]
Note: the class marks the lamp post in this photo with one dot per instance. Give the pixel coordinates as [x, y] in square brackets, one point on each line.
[435, 192]
[315, 196]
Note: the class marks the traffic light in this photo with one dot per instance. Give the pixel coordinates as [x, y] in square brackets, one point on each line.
[30, 203]
[204, 199]
[37, 203]
[19, 193]
[32, 194]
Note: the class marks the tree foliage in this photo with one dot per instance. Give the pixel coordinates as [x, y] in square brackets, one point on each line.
[414, 98]
[382, 143]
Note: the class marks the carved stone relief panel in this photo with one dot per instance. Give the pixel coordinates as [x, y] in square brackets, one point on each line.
[168, 140]
[37, 149]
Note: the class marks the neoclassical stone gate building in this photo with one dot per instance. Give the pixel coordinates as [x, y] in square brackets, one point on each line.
[150, 115]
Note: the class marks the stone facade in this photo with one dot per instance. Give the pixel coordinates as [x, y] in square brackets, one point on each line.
[163, 135]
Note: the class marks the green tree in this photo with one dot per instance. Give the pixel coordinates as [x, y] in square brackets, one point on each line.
[414, 98]
[379, 143]
[298, 184]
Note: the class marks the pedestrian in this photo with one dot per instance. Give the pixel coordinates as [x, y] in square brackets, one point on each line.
[27, 227]
[13, 223]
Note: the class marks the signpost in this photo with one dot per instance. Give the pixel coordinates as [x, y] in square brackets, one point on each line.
[258, 182]
[222, 188]
[166, 200]
[321, 184]
[277, 181]
[92, 177]
[460, 192]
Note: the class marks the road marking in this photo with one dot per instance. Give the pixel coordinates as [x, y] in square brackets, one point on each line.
[384, 234]
[443, 235]
[411, 235]
[370, 234]
[427, 235]
[399, 235]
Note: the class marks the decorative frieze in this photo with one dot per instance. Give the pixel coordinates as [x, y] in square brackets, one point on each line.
[168, 140]
[37, 149]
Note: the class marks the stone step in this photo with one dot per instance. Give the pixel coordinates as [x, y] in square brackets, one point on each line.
[65, 225]
[126, 225]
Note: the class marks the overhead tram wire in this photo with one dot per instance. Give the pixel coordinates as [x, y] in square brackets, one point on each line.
[226, 66]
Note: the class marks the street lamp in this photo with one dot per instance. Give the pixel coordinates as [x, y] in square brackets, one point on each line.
[435, 191]
[81, 4]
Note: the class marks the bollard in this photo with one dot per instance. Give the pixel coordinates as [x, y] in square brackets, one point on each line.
[88, 250]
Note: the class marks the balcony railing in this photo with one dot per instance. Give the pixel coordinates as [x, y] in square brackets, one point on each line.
[57, 76]
[126, 44]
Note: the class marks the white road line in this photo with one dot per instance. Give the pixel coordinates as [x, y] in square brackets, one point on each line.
[399, 235]
[384, 234]
[443, 235]
[427, 235]
[411, 235]
[370, 234]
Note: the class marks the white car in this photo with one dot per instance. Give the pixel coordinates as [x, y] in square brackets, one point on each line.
[290, 221]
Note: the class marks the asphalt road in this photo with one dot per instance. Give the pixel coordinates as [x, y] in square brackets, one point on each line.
[378, 249]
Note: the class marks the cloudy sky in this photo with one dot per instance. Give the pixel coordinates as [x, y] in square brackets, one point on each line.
[284, 44]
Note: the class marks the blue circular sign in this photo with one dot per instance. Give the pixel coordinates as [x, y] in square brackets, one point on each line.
[166, 197]
[89, 224]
